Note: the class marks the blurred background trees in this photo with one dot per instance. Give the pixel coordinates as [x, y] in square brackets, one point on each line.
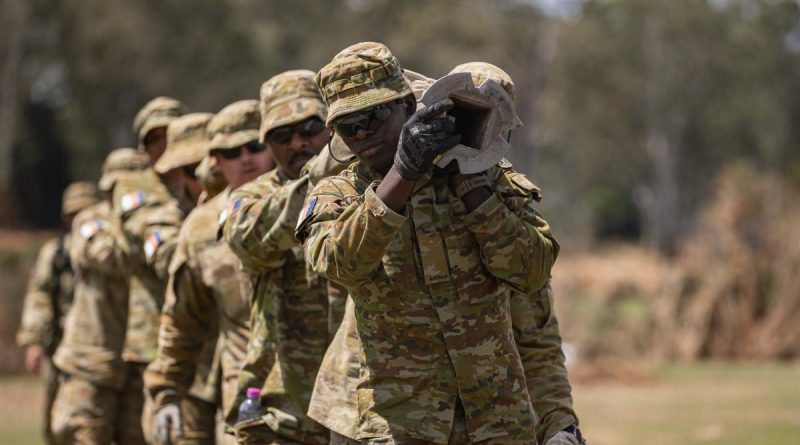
[631, 107]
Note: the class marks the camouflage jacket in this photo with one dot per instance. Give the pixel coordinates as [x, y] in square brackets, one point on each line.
[149, 220]
[94, 331]
[289, 315]
[49, 296]
[431, 292]
[207, 295]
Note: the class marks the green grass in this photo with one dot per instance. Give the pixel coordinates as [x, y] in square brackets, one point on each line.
[714, 403]
[703, 404]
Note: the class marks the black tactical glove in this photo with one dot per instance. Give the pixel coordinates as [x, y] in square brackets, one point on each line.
[427, 134]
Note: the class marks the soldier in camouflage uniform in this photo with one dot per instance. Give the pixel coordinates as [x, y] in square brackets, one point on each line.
[429, 258]
[88, 408]
[149, 207]
[535, 325]
[207, 291]
[290, 312]
[49, 297]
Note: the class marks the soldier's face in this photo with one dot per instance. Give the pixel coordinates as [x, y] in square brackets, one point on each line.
[155, 142]
[376, 143]
[293, 145]
[244, 163]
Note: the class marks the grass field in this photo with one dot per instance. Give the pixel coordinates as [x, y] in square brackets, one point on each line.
[679, 404]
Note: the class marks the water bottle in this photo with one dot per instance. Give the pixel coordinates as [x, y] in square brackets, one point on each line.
[251, 408]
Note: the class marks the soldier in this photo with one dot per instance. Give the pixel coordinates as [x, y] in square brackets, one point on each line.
[88, 406]
[289, 321]
[207, 292]
[49, 297]
[429, 258]
[535, 325]
[149, 207]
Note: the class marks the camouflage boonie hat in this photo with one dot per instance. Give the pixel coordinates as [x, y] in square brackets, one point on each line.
[419, 82]
[234, 125]
[78, 196]
[187, 142]
[118, 161]
[288, 98]
[481, 71]
[159, 112]
[361, 76]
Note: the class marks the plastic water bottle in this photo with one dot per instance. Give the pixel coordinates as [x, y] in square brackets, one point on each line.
[251, 408]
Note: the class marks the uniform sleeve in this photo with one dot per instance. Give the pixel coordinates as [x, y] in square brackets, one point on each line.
[261, 346]
[36, 327]
[515, 241]
[189, 311]
[539, 343]
[260, 225]
[160, 241]
[346, 234]
[95, 246]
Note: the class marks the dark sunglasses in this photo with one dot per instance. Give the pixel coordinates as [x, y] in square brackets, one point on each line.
[306, 129]
[369, 120]
[232, 153]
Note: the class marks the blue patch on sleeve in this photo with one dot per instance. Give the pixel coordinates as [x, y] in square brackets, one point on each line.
[310, 208]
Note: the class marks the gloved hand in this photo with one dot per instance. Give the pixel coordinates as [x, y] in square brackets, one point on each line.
[563, 438]
[427, 134]
[168, 418]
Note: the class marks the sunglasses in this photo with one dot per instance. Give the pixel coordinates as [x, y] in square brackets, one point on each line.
[368, 120]
[253, 147]
[306, 129]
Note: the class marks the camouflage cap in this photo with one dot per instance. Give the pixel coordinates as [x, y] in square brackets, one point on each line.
[159, 112]
[187, 142]
[118, 161]
[234, 125]
[78, 196]
[361, 76]
[481, 71]
[419, 82]
[290, 97]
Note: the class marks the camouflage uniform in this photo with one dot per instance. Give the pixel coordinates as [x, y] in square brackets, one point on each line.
[534, 320]
[149, 217]
[431, 287]
[289, 317]
[50, 293]
[205, 295]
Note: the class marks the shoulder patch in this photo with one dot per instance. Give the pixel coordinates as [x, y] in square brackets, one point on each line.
[151, 244]
[90, 228]
[309, 210]
[132, 201]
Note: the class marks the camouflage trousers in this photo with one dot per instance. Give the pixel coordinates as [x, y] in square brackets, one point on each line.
[85, 413]
[199, 422]
[51, 380]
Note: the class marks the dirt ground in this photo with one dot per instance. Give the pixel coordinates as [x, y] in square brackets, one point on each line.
[704, 404]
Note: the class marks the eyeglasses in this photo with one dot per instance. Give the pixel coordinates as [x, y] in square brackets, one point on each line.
[253, 147]
[368, 120]
[306, 129]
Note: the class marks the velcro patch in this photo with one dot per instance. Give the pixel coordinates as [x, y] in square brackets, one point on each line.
[309, 210]
[132, 200]
[151, 244]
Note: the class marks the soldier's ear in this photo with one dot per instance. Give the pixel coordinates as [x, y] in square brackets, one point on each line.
[410, 104]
